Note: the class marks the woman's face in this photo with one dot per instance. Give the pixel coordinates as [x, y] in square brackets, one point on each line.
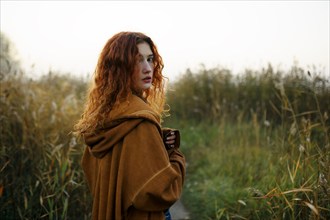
[142, 78]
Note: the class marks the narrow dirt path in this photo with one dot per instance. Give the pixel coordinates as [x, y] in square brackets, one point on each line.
[179, 212]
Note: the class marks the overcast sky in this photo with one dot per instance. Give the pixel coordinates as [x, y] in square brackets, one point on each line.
[69, 35]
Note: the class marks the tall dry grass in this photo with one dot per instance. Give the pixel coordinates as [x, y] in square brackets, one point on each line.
[40, 169]
[257, 144]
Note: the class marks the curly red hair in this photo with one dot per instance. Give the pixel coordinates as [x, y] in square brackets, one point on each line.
[113, 78]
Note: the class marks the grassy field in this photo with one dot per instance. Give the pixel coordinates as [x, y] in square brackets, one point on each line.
[232, 175]
[257, 144]
[254, 161]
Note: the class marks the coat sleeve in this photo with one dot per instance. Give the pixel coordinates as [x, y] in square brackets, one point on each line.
[154, 176]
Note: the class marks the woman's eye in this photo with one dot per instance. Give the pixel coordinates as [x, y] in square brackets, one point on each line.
[148, 59]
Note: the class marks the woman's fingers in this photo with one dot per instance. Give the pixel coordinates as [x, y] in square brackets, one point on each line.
[171, 138]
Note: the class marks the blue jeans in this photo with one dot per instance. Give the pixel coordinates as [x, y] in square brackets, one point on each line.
[167, 215]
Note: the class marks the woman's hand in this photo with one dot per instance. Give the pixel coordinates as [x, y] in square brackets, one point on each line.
[170, 139]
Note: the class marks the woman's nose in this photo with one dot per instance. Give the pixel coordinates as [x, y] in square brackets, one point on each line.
[147, 67]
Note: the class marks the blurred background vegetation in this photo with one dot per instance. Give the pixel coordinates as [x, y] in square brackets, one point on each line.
[257, 143]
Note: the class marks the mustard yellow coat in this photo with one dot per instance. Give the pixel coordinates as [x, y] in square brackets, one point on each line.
[130, 173]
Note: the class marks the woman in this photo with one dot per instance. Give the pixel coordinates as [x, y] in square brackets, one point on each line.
[133, 167]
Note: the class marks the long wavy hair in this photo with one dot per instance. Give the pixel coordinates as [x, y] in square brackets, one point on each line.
[113, 78]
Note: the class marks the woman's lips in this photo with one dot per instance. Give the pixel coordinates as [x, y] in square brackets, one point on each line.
[147, 79]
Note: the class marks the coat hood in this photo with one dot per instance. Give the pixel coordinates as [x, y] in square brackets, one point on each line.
[121, 121]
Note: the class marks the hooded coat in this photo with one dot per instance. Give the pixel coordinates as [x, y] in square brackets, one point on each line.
[130, 173]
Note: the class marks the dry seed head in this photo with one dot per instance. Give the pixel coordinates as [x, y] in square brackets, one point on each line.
[279, 85]
[266, 123]
[301, 148]
[293, 129]
[304, 120]
[73, 142]
[322, 180]
[242, 202]
[195, 98]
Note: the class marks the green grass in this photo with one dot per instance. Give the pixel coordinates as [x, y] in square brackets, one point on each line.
[254, 170]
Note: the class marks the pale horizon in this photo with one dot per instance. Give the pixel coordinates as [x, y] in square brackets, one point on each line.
[68, 36]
